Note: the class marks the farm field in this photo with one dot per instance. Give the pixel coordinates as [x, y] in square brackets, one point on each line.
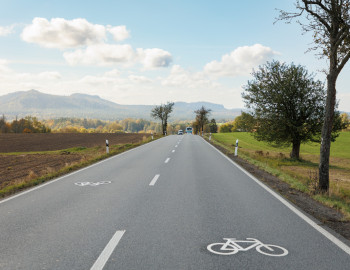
[36, 142]
[300, 174]
[28, 159]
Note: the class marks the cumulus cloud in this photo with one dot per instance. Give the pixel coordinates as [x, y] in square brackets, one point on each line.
[90, 42]
[110, 54]
[240, 61]
[61, 33]
[154, 58]
[101, 54]
[112, 73]
[179, 77]
[50, 75]
[119, 33]
[6, 30]
[139, 79]
[4, 66]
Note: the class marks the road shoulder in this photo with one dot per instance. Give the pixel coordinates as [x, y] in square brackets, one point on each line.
[328, 217]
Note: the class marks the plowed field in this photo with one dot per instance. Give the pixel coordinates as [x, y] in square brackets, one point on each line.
[56, 141]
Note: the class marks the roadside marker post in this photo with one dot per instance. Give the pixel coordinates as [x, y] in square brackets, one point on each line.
[210, 137]
[152, 135]
[236, 148]
[107, 147]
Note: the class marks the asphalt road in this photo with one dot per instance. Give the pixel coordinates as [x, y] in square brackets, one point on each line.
[160, 206]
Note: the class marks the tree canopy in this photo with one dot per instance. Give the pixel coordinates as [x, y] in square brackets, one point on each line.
[162, 112]
[202, 117]
[287, 103]
[329, 20]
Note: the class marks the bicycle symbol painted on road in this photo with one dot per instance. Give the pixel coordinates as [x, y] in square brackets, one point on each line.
[232, 247]
[93, 184]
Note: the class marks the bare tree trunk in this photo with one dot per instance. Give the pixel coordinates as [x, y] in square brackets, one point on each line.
[163, 127]
[295, 150]
[325, 149]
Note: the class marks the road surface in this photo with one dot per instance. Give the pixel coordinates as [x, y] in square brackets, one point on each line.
[160, 206]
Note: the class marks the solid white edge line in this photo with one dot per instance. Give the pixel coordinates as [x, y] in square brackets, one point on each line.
[154, 180]
[107, 252]
[324, 232]
[167, 160]
[70, 174]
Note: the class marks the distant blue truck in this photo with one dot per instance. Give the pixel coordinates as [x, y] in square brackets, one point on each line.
[189, 130]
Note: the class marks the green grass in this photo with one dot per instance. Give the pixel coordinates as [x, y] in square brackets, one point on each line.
[340, 148]
[298, 173]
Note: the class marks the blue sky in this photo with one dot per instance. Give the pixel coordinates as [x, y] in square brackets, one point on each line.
[149, 52]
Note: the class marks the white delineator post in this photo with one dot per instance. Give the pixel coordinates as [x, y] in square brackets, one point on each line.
[236, 148]
[152, 135]
[107, 147]
[210, 137]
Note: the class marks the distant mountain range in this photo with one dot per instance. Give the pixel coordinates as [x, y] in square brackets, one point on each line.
[46, 106]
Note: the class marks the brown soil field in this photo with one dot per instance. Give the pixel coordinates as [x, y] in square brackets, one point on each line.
[15, 169]
[23, 167]
[33, 142]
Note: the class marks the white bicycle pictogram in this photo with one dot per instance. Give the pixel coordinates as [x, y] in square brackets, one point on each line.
[93, 184]
[232, 247]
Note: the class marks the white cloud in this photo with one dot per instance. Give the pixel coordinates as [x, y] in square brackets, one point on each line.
[180, 77]
[119, 33]
[241, 61]
[111, 54]
[112, 73]
[4, 66]
[91, 43]
[101, 54]
[50, 75]
[6, 30]
[139, 79]
[344, 101]
[15, 81]
[154, 58]
[61, 33]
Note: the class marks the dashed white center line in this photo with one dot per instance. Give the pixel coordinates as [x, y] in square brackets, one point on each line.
[175, 145]
[107, 252]
[154, 180]
[173, 151]
[167, 160]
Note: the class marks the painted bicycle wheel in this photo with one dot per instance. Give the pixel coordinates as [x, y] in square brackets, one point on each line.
[216, 248]
[272, 250]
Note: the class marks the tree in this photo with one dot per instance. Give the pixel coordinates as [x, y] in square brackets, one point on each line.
[3, 125]
[213, 126]
[195, 127]
[227, 127]
[244, 123]
[345, 121]
[288, 105]
[329, 20]
[162, 112]
[202, 117]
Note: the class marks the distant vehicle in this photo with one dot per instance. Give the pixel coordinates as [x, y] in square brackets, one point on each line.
[180, 132]
[189, 130]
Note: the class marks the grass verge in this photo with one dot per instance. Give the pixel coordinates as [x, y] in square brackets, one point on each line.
[299, 174]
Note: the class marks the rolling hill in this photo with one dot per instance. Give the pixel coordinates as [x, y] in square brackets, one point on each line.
[45, 106]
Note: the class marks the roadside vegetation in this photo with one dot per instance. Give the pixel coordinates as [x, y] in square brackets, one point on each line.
[27, 124]
[301, 174]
